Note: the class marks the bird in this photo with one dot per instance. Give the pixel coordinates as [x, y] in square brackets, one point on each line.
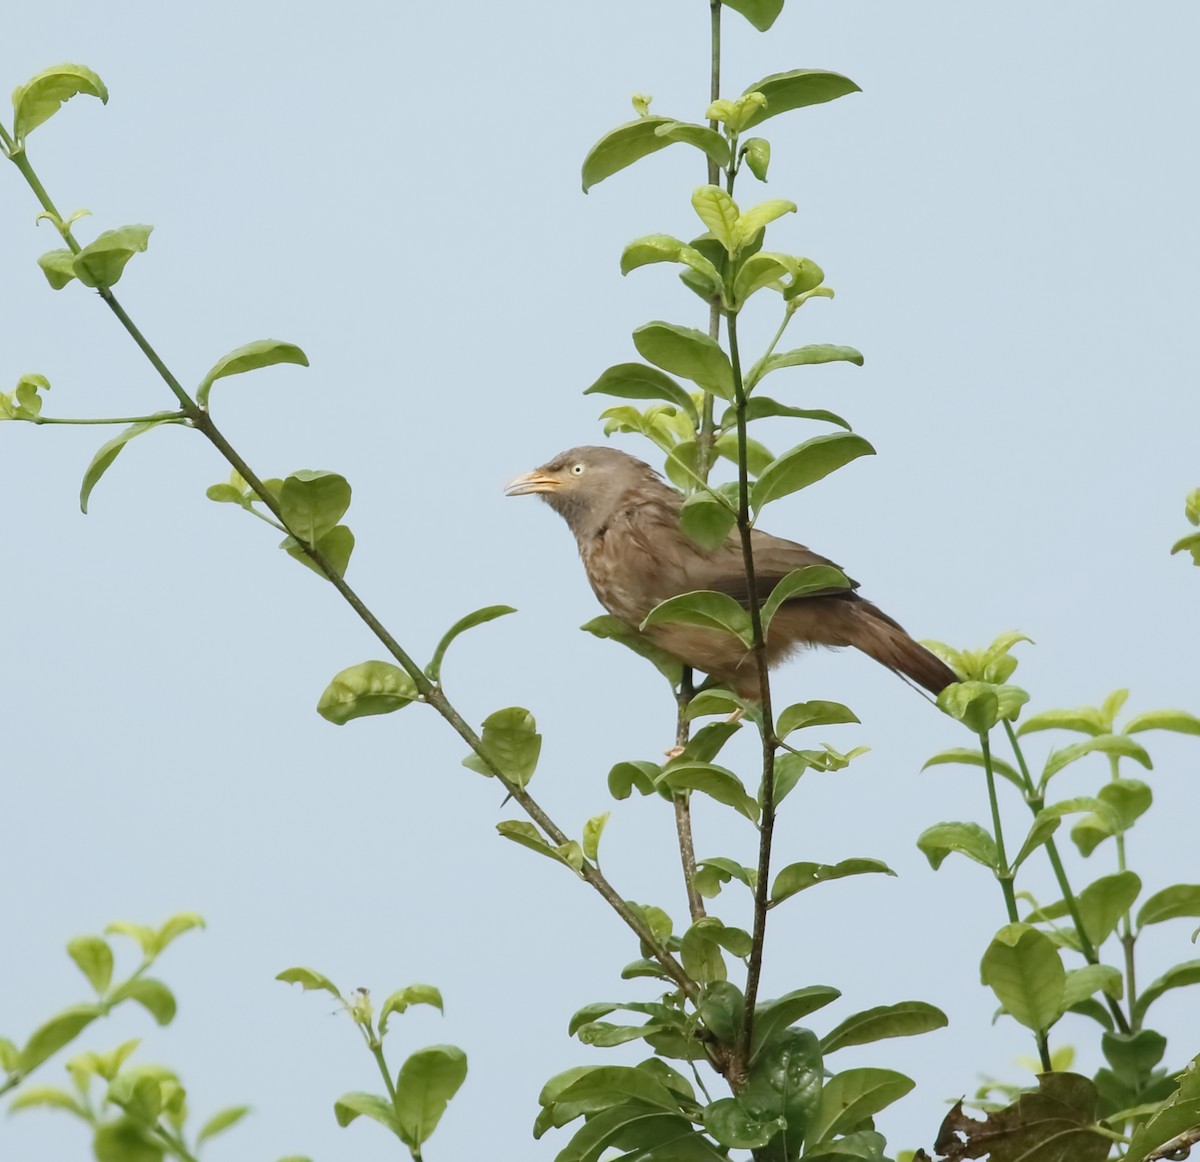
[625, 518]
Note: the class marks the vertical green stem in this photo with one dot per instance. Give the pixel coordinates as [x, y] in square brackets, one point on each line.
[707, 433]
[767, 824]
[1036, 802]
[1127, 935]
[1004, 872]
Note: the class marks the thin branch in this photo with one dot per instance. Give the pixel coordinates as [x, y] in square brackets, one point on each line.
[767, 824]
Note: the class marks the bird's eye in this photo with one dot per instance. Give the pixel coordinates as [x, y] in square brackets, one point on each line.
[576, 469]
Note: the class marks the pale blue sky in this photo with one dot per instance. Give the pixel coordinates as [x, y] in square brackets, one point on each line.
[1008, 215]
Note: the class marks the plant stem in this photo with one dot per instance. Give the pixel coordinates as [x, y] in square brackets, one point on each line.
[1127, 934]
[683, 807]
[1004, 873]
[157, 417]
[429, 692]
[377, 1053]
[707, 434]
[766, 729]
[1036, 802]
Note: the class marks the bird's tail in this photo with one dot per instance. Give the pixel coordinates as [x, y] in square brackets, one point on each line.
[879, 637]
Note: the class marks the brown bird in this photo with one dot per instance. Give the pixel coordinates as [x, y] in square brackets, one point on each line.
[626, 521]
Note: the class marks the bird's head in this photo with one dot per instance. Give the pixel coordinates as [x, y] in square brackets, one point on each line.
[586, 486]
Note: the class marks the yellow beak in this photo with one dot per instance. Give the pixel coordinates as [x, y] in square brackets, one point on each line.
[535, 481]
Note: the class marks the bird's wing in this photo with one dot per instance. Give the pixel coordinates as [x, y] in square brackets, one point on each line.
[774, 558]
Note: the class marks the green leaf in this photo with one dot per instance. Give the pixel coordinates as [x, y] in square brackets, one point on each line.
[705, 608]
[757, 218]
[734, 1126]
[762, 14]
[719, 213]
[39, 98]
[759, 407]
[974, 758]
[427, 1082]
[510, 739]
[401, 999]
[1180, 1115]
[716, 782]
[175, 926]
[58, 266]
[10, 1056]
[701, 944]
[810, 581]
[967, 839]
[712, 873]
[797, 89]
[1103, 903]
[1111, 744]
[527, 835]
[60, 1030]
[1179, 976]
[707, 519]
[590, 1090]
[796, 877]
[309, 980]
[1084, 982]
[100, 263]
[687, 352]
[638, 381]
[1170, 904]
[706, 140]
[625, 776]
[103, 459]
[1023, 968]
[757, 458]
[336, 546]
[975, 704]
[94, 958]
[906, 1019]
[817, 713]
[125, 1140]
[860, 1146]
[663, 248]
[260, 353]
[221, 1120]
[1178, 720]
[151, 994]
[46, 1097]
[807, 356]
[656, 1133]
[623, 146]
[1190, 543]
[771, 1017]
[609, 627]
[313, 503]
[1129, 800]
[1085, 720]
[754, 273]
[851, 1097]
[479, 617]
[785, 1083]
[366, 689]
[352, 1105]
[757, 152]
[146, 937]
[804, 465]
[592, 830]
[1044, 826]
